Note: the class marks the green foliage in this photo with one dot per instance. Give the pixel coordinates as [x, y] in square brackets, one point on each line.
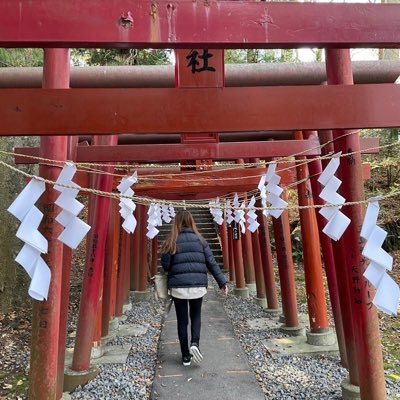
[120, 56]
[318, 54]
[247, 56]
[385, 165]
[297, 244]
[21, 57]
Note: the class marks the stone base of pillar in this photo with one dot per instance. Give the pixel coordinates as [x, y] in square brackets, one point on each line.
[262, 302]
[141, 296]
[282, 319]
[241, 292]
[273, 312]
[327, 338]
[252, 288]
[97, 351]
[127, 307]
[73, 379]
[66, 396]
[349, 391]
[293, 331]
[113, 325]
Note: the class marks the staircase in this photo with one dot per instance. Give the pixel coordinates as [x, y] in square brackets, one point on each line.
[205, 225]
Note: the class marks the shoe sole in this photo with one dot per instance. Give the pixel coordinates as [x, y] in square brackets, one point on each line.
[197, 356]
[187, 364]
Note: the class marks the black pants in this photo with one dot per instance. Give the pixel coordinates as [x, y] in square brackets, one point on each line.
[181, 307]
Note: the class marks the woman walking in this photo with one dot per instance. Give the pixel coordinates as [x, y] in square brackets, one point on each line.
[187, 257]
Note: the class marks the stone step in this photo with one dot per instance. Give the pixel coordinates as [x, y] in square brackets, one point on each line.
[207, 228]
[211, 239]
[203, 219]
[210, 233]
[207, 235]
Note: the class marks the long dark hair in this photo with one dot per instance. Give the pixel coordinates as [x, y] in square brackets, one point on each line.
[183, 219]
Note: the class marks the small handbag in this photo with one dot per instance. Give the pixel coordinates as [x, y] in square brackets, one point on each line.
[160, 281]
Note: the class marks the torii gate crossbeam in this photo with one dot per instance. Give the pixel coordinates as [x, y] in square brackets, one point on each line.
[188, 24]
[112, 111]
[178, 152]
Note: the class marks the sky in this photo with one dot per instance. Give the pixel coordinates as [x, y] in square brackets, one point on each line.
[356, 54]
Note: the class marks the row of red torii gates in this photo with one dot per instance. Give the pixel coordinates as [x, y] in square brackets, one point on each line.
[201, 108]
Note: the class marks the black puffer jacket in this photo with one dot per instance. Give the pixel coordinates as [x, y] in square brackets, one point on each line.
[188, 267]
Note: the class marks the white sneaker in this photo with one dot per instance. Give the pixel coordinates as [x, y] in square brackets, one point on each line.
[186, 361]
[195, 352]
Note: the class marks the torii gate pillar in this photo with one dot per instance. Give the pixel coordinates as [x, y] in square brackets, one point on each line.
[319, 334]
[231, 254]
[364, 314]
[46, 314]
[92, 277]
[315, 170]
[267, 263]
[286, 273]
[142, 293]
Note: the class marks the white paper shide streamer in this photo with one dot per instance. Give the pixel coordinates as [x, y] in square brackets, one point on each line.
[165, 214]
[153, 220]
[239, 213]
[252, 216]
[387, 291]
[337, 221]
[270, 192]
[228, 214]
[74, 228]
[171, 209]
[127, 206]
[23, 208]
[216, 211]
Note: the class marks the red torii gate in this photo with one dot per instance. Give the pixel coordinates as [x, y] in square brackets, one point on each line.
[211, 24]
[275, 74]
[170, 110]
[327, 25]
[177, 152]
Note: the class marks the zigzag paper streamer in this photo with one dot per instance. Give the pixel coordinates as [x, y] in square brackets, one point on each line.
[153, 220]
[127, 206]
[239, 213]
[228, 214]
[172, 213]
[337, 221]
[252, 216]
[165, 214]
[271, 191]
[387, 295]
[216, 211]
[29, 257]
[74, 228]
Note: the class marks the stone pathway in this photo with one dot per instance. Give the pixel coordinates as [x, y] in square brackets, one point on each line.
[224, 372]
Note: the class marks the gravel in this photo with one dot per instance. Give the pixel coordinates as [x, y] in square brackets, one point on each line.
[283, 378]
[288, 377]
[134, 379]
